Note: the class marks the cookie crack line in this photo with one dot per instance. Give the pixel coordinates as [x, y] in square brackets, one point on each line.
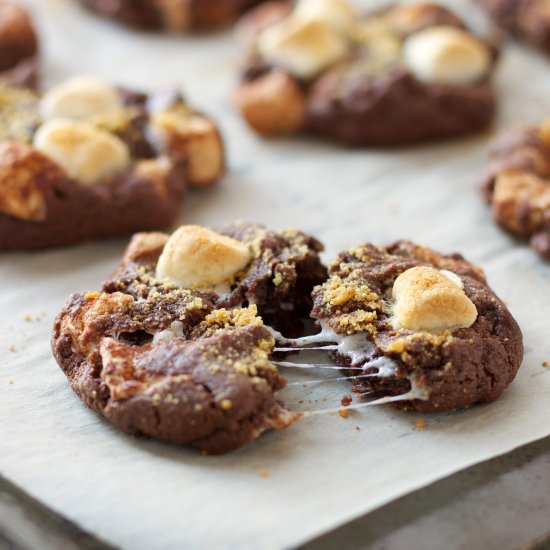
[403, 324]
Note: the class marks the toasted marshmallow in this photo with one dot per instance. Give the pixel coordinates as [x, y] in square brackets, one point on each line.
[194, 137]
[195, 256]
[339, 14]
[446, 55]
[21, 195]
[86, 153]
[304, 49]
[430, 300]
[80, 98]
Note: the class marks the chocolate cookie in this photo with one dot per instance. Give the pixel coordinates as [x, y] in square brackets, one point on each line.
[418, 328]
[517, 185]
[529, 20]
[403, 75]
[18, 47]
[175, 346]
[171, 15]
[88, 160]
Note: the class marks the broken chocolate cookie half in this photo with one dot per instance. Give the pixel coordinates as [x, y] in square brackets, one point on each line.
[415, 328]
[403, 75]
[88, 160]
[175, 346]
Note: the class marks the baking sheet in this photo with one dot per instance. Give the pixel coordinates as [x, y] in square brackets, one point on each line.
[293, 485]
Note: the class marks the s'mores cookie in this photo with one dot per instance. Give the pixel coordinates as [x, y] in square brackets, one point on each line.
[516, 184]
[88, 160]
[403, 75]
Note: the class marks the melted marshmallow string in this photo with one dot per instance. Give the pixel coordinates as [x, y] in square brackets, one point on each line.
[327, 348]
[377, 402]
[336, 379]
[287, 364]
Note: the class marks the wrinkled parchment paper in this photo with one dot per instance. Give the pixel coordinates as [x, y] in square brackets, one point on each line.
[290, 486]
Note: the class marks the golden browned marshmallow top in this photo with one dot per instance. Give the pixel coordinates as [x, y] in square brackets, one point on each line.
[80, 98]
[303, 48]
[195, 137]
[427, 299]
[86, 153]
[339, 14]
[195, 256]
[446, 55]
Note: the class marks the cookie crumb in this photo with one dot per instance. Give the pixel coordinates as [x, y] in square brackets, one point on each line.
[12, 348]
[420, 424]
[10, 381]
[344, 413]
[346, 400]
[264, 472]
[546, 364]
[27, 318]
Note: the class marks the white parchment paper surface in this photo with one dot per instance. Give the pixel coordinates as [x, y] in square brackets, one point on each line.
[323, 471]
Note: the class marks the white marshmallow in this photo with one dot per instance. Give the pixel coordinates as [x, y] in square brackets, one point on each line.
[304, 49]
[195, 256]
[447, 55]
[80, 98]
[339, 14]
[88, 154]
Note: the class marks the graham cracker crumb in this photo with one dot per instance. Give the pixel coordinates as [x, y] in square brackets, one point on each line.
[264, 472]
[420, 424]
[344, 413]
[226, 404]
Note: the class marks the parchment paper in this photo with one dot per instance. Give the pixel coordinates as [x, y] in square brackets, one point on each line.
[325, 470]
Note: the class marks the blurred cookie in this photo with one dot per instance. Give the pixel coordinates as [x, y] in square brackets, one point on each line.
[171, 15]
[18, 46]
[400, 76]
[529, 20]
[419, 328]
[88, 160]
[175, 347]
[517, 184]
